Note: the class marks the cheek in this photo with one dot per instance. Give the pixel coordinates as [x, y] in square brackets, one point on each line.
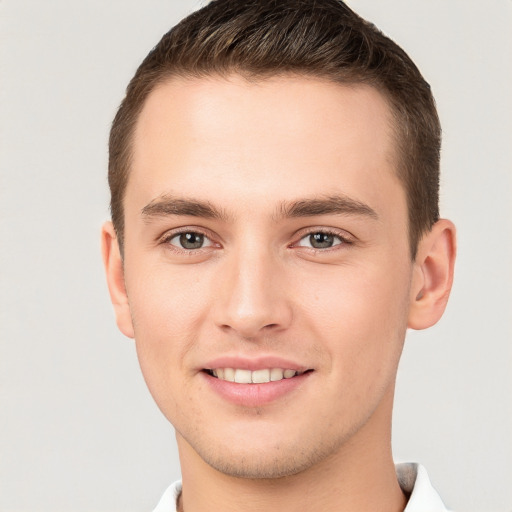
[166, 309]
[163, 300]
[361, 314]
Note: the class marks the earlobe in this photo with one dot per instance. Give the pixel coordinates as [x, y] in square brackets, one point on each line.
[115, 279]
[433, 275]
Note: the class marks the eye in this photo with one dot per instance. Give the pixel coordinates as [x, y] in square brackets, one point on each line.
[320, 240]
[189, 240]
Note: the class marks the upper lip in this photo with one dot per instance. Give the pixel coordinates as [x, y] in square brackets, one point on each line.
[254, 363]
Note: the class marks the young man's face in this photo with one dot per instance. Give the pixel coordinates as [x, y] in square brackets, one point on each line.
[266, 234]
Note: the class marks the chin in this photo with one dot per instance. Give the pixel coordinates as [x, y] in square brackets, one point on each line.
[259, 469]
[257, 462]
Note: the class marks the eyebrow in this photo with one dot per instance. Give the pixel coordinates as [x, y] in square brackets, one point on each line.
[308, 207]
[337, 204]
[171, 205]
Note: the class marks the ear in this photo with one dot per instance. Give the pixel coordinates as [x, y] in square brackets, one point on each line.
[432, 275]
[115, 279]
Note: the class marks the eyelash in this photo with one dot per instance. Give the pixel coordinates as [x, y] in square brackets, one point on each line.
[343, 237]
[344, 240]
[166, 239]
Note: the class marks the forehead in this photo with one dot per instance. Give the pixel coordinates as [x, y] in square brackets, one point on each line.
[286, 134]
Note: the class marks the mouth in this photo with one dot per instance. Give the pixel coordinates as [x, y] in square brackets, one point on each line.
[262, 376]
[255, 382]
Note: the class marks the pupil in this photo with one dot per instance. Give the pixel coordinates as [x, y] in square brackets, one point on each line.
[321, 240]
[191, 240]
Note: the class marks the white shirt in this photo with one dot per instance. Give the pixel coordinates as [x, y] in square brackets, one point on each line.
[413, 480]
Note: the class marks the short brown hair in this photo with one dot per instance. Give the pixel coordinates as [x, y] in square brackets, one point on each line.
[318, 38]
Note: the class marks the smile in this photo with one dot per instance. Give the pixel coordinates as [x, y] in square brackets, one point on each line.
[242, 376]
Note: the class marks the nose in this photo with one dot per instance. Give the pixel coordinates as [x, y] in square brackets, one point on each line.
[252, 296]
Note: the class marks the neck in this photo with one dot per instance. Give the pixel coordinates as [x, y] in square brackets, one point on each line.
[359, 477]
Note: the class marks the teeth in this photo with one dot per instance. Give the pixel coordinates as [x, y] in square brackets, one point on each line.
[243, 376]
[219, 373]
[276, 374]
[260, 376]
[229, 374]
[257, 376]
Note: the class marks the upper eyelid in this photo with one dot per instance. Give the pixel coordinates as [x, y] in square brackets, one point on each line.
[171, 233]
[299, 234]
[341, 233]
[165, 240]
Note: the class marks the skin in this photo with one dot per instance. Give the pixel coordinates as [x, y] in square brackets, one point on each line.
[251, 151]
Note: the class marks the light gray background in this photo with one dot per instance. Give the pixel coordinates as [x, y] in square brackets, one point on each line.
[79, 431]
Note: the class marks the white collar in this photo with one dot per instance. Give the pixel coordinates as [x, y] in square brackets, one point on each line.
[413, 480]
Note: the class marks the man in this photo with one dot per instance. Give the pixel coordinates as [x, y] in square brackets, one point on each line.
[275, 230]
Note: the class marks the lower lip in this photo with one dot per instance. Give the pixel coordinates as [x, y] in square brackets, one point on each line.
[255, 395]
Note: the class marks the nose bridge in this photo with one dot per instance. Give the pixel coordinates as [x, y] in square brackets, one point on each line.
[252, 299]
